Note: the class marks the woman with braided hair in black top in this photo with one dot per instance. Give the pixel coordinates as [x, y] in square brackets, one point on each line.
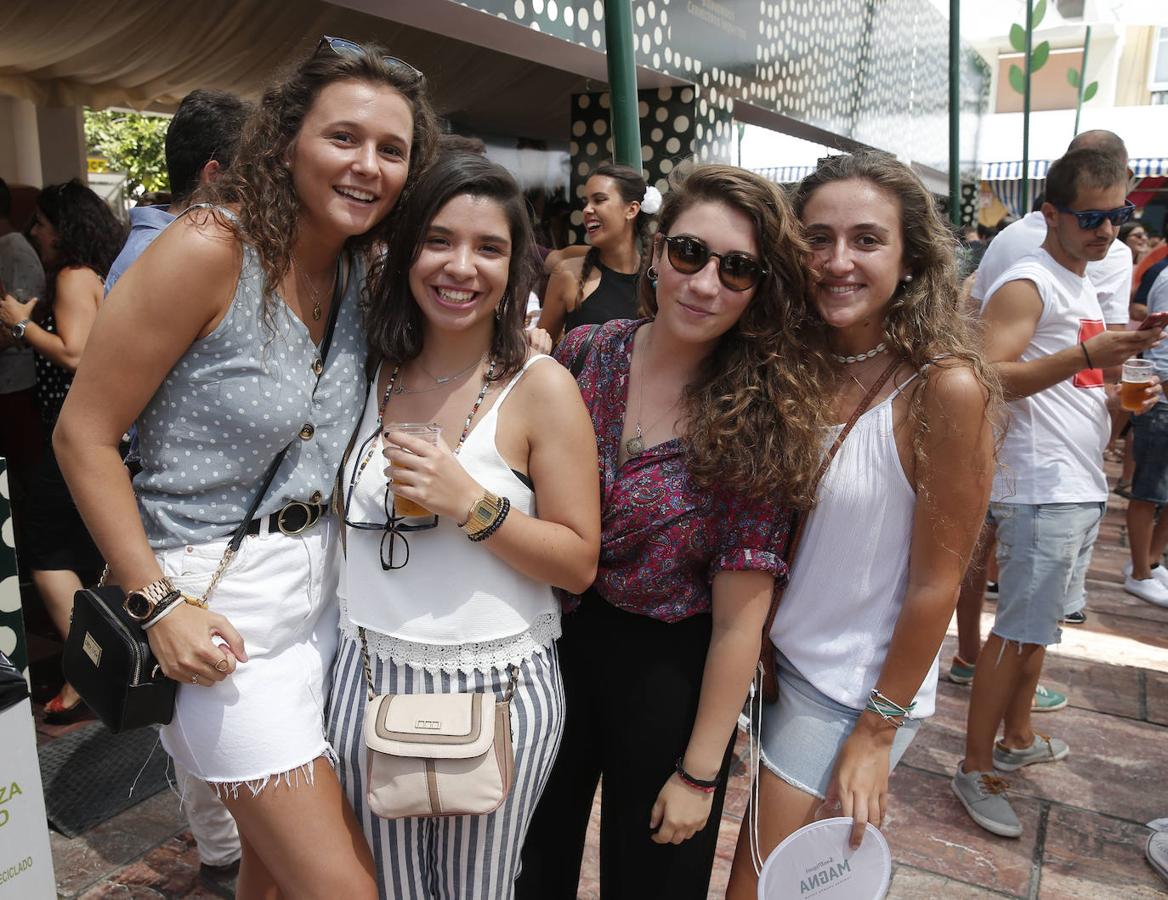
[603, 284]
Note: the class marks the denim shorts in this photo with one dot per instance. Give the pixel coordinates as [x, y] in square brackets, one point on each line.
[803, 733]
[1043, 553]
[1150, 449]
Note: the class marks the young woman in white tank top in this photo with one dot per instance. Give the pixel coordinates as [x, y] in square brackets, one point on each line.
[874, 581]
[462, 601]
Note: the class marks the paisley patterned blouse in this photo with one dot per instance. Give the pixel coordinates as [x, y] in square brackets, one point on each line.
[662, 540]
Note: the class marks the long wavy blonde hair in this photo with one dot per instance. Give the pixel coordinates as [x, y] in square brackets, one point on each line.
[756, 413]
[925, 321]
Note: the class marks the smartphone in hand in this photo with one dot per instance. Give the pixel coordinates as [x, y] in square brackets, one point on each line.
[1154, 320]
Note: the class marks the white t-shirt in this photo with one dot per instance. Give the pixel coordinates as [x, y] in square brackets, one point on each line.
[1111, 276]
[1053, 451]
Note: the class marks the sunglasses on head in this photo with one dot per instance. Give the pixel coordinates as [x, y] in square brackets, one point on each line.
[736, 270]
[345, 47]
[1093, 218]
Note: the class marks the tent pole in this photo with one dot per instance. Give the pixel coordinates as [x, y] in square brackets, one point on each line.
[1082, 78]
[955, 111]
[1026, 109]
[622, 83]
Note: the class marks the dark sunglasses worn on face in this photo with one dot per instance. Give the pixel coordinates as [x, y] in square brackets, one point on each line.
[1093, 218]
[737, 271]
[345, 47]
[395, 549]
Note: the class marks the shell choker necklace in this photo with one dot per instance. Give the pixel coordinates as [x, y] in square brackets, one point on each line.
[860, 357]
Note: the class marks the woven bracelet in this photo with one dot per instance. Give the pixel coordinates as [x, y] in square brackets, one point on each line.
[698, 784]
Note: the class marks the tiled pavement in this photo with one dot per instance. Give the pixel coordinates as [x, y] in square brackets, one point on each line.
[1084, 818]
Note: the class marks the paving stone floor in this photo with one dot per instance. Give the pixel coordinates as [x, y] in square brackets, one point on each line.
[1083, 819]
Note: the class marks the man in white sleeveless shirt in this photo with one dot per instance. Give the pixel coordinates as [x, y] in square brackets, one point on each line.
[1046, 335]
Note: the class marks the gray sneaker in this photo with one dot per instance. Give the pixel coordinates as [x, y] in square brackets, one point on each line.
[1045, 749]
[983, 795]
[1157, 852]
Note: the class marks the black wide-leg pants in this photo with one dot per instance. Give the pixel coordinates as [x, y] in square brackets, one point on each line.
[631, 686]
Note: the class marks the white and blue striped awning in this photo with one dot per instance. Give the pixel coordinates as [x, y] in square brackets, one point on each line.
[785, 174]
[1142, 167]
[1012, 171]
[1149, 167]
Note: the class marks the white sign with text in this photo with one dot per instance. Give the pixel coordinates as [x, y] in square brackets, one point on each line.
[26, 865]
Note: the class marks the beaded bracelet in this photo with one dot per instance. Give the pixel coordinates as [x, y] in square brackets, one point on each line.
[504, 508]
[698, 784]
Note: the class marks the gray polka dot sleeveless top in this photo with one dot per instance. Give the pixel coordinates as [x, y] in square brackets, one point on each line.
[233, 401]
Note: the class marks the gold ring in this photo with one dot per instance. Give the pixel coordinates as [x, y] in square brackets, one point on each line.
[222, 665]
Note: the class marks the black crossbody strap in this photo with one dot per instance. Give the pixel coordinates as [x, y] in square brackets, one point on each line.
[339, 286]
[577, 365]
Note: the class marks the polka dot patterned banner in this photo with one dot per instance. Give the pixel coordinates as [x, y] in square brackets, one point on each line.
[872, 70]
[12, 640]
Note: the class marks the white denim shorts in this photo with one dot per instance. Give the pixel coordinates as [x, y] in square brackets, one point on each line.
[803, 732]
[266, 719]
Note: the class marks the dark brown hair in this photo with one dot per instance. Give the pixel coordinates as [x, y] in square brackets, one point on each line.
[393, 321]
[631, 187]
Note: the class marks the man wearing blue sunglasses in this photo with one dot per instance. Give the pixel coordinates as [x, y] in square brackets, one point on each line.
[1045, 335]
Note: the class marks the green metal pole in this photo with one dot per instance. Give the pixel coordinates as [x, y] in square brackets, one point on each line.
[1082, 78]
[1026, 109]
[622, 83]
[955, 111]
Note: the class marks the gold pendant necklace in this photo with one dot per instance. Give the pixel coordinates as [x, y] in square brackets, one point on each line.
[635, 445]
[312, 291]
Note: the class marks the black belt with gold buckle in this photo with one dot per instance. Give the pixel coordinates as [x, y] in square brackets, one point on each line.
[294, 518]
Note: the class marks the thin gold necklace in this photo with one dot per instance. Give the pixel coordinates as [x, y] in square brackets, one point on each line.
[312, 291]
[635, 445]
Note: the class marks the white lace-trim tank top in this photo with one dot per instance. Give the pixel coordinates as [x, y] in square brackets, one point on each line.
[850, 574]
[454, 606]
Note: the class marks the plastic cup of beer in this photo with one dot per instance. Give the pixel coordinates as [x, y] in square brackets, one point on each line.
[426, 431]
[1138, 376]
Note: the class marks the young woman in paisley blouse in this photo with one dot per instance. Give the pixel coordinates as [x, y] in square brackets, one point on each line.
[704, 432]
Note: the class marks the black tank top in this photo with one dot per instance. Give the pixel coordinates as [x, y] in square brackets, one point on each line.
[614, 298]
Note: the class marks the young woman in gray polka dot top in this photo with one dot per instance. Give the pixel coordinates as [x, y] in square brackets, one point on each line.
[213, 342]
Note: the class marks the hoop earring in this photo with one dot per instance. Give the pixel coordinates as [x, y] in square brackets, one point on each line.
[908, 278]
[651, 274]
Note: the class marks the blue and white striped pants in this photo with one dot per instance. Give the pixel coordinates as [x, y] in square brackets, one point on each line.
[453, 858]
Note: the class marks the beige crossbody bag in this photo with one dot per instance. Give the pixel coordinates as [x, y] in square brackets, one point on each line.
[437, 754]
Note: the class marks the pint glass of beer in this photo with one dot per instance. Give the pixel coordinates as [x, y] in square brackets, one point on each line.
[427, 431]
[1138, 375]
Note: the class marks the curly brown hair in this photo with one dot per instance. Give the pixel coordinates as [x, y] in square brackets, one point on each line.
[925, 320]
[88, 233]
[756, 413]
[259, 182]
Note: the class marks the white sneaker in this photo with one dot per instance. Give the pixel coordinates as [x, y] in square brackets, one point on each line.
[1150, 589]
[1160, 573]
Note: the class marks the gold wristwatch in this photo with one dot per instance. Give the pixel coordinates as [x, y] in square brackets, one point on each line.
[482, 513]
[141, 605]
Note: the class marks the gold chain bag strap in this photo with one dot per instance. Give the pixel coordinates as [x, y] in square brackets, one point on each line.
[437, 754]
[766, 659]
